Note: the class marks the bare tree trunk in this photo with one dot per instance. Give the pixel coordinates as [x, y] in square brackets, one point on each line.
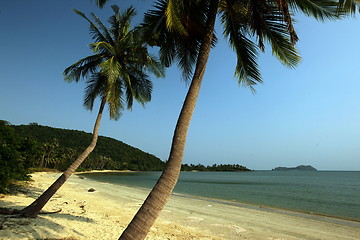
[42, 160]
[33, 209]
[155, 202]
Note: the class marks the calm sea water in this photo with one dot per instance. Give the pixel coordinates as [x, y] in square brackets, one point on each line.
[334, 194]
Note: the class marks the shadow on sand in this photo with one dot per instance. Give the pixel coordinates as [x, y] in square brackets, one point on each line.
[45, 226]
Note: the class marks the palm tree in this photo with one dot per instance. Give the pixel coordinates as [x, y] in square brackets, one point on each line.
[117, 73]
[184, 31]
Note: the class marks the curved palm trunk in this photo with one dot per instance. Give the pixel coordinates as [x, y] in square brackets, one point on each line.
[33, 209]
[151, 208]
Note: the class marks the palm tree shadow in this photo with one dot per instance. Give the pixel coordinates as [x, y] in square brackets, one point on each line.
[44, 226]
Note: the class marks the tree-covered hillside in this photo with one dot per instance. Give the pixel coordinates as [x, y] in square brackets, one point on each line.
[108, 154]
[32, 147]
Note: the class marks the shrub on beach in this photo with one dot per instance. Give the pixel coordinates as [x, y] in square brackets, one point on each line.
[14, 159]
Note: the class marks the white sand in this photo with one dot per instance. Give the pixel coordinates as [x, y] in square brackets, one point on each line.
[104, 214]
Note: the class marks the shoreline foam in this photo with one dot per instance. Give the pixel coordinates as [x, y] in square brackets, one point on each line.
[105, 213]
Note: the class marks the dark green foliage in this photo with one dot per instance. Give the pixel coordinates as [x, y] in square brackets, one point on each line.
[117, 72]
[32, 146]
[16, 156]
[215, 168]
[108, 154]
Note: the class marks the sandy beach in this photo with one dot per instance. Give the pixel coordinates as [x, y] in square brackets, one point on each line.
[104, 214]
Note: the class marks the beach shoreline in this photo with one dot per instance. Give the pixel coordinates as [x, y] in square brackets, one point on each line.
[290, 212]
[104, 214]
[104, 171]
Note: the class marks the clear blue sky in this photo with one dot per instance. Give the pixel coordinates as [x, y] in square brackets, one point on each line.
[310, 115]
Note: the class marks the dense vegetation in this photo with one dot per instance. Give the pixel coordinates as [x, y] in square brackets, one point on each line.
[108, 154]
[214, 168]
[26, 147]
[17, 155]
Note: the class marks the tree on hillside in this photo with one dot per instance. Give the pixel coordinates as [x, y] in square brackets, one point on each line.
[48, 152]
[116, 73]
[184, 31]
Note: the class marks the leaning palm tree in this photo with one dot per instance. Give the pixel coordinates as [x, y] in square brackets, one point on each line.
[117, 73]
[184, 31]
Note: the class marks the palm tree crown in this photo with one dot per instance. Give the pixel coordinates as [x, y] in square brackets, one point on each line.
[117, 71]
[177, 28]
[184, 31]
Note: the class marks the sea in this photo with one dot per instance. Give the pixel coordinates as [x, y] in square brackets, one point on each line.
[324, 193]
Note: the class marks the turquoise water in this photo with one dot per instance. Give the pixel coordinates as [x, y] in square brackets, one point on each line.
[334, 194]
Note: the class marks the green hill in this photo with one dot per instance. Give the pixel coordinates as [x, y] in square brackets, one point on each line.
[27, 148]
[109, 153]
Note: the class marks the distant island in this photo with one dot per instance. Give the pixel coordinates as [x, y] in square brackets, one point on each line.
[298, 168]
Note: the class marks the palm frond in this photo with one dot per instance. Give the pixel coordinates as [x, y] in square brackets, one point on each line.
[94, 88]
[111, 68]
[115, 8]
[114, 98]
[348, 6]
[235, 27]
[103, 29]
[82, 68]
[282, 47]
[114, 21]
[247, 70]
[167, 52]
[174, 44]
[141, 87]
[154, 66]
[266, 23]
[155, 33]
[277, 34]
[153, 24]
[96, 34]
[129, 91]
[321, 10]
[173, 13]
[103, 47]
[187, 57]
[101, 3]
[286, 14]
[125, 19]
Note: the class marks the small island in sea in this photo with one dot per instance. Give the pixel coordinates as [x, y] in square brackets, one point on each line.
[298, 168]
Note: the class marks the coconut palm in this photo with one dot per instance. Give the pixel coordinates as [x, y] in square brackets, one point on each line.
[117, 73]
[184, 31]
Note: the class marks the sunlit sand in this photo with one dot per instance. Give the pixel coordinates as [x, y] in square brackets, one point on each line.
[104, 214]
